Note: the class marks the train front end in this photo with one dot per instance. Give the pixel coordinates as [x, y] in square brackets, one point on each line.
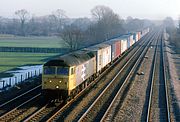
[55, 79]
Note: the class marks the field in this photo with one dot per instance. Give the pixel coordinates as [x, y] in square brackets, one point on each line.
[42, 42]
[10, 60]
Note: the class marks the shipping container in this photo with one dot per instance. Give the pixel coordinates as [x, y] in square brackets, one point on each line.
[127, 38]
[135, 37]
[115, 47]
[139, 35]
[118, 48]
[123, 44]
[144, 32]
[131, 40]
[103, 55]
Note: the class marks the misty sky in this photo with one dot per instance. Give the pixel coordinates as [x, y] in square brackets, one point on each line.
[150, 9]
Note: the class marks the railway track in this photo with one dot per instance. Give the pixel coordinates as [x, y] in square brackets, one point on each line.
[158, 104]
[124, 105]
[99, 106]
[22, 111]
[43, 113]
[67, 110]
[13, 103]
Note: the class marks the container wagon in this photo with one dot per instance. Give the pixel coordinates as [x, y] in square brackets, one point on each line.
[103, 55]
[123, 44]
[115, 48]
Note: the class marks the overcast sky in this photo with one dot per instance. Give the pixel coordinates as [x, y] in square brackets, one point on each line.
[150, 9]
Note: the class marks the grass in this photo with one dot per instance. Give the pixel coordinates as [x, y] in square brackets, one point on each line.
[41, 42]
[10, 60]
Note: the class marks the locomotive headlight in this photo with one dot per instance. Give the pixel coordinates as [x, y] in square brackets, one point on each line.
[60, 81]
[50, 81]
[57, 87]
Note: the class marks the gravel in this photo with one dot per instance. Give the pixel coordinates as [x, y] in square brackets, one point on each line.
[132, 107]
[173, 62]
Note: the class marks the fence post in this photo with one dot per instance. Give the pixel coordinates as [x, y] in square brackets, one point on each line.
[15, 80]
[28, 75]
[21, 78]
[9, 81]
[35, 72]
[39, 72]
[3, 84]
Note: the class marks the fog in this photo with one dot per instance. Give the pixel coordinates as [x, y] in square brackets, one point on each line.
[149, 9]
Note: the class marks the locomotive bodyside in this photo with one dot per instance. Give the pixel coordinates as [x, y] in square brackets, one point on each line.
[64, 77]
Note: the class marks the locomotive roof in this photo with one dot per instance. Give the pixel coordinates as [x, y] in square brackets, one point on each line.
[124, 37]
[71, 59]
[112, 41]
[97, 47]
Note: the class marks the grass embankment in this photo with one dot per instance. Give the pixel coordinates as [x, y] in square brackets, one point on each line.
[10, 60]
[174, 38]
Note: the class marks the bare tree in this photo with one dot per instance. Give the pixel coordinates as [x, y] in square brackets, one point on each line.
[1, 25]
[129, 19]
[179, 25]
[100, 11]
[58, 16]
[23, 16]
[169, 22]
[72, 36]
[82, 23]
[108, 23]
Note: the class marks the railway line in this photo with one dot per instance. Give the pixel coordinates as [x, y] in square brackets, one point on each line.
[13, 108]
[121, 108]
[42, 113]
[98, 102]
[74, 110]
[22, 111]
[158, 104]
[17, 101]
[45, 112]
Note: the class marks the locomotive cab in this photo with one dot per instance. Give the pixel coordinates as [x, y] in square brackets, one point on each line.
[55, 80]
[64, 77]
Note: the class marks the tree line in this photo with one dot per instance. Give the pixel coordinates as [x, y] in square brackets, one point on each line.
[173, 31]
[104, 24]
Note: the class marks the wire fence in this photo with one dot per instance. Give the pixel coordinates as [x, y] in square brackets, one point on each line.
[34, 50]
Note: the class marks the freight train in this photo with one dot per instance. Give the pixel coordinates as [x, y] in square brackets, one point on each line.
[67, 75]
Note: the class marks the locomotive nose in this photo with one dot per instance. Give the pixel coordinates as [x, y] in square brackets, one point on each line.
[55, 83]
